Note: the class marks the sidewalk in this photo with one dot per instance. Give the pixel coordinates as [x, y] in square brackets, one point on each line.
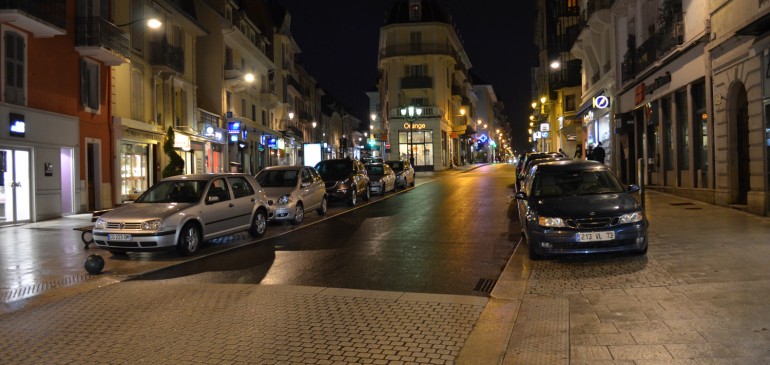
[702, 295]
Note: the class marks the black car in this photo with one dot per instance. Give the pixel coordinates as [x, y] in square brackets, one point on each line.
[580, 207]
[345, 179]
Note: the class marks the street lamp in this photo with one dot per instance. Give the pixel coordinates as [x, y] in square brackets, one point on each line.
[152, 23]
[411, 113]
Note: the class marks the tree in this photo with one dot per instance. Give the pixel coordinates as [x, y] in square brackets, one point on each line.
[176, 163]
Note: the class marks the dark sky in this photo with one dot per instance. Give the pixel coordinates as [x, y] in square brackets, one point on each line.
[339, 41]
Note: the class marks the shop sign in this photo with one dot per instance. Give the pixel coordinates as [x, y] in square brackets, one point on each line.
[545, 127]
[536, 135]
[234, 127]
[639, 94]
[659, 81]
[272, 143]
[417, 126]
[483, 138]
[182, 141]
[17, 126]
[545, 134]
[602, 102]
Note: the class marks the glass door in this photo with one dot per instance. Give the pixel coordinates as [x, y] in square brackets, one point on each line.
[15, 186]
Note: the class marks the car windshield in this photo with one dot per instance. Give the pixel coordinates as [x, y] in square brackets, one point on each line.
[277, 178]
[174, 191]
[334, 170]
[374, 170]
[574, 182]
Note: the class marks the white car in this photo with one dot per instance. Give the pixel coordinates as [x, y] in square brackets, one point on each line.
[291, 191]
[184, 211]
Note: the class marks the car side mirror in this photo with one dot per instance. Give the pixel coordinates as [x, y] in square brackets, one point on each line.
[211, 199]
[520, 195]
[633, 188]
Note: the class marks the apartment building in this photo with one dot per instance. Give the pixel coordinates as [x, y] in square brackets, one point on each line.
[423, 64]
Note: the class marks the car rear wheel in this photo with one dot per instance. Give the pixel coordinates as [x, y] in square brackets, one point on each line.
[189, 239]
[258, 224]
[353, 196]
[324, 205]
[299, 214]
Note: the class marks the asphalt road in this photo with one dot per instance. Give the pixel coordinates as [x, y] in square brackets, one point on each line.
[450, 236]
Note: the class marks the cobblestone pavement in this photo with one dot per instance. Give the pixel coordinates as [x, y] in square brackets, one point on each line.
[171, 323]
[700, 296]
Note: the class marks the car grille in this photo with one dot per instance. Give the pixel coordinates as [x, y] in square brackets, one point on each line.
[593, 245]
[133, 226]
[592, 223]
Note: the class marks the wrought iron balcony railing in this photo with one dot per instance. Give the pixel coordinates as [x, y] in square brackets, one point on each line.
[96, 31]
[52, 11]
[166, 55]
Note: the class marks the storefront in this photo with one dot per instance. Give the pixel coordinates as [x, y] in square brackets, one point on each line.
[138, 147]
[38, 165]
[597, 122]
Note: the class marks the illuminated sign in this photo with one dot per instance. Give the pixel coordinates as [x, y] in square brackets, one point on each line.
[545, 134]
[17, 126]
[414, 126]
[234, 127]
[272, 143]
[182, 141]
[545, 127]
[536, 135]
[483, 138]
[602, 102]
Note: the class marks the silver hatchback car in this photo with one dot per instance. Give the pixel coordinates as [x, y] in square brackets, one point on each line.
[184, 211]
[292, 190]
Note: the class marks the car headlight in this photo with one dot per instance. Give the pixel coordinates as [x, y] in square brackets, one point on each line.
[631, 217]
[152, 225]
[550, 222]
[100, 224]
[284, 199]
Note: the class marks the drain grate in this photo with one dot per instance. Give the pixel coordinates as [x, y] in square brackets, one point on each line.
[679, 204]
[693, 208]
[485, 285]
[10, 295]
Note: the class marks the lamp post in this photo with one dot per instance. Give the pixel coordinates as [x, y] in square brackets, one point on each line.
[411, 113]
[152, 23]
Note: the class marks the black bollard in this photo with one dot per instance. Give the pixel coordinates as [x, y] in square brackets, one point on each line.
[94, 264]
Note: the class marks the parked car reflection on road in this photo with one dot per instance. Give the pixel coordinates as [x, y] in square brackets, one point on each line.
[183, 212]
[580, 207]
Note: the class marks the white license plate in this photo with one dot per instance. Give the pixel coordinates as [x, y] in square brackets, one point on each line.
[118, 237]
[595, 236]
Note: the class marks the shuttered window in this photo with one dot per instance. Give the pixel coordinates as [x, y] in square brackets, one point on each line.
[14, 68]
[89, 85]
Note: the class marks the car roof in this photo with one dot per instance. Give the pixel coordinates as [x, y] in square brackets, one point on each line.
[568, 165]
[284, 167]
[204, 176]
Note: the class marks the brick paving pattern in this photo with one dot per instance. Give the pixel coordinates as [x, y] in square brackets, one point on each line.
[171, 323]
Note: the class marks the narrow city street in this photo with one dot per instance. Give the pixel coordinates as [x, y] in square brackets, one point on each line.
[399, 283]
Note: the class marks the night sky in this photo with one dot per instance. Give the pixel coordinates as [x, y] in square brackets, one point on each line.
[339, 40]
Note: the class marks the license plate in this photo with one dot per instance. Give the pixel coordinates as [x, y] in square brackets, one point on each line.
[595, 236]
[118, 237]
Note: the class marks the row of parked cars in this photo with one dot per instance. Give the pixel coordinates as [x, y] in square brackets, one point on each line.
[570, 206]
[183, 212]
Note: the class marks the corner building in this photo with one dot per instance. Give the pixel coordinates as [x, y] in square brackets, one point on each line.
[422, 63]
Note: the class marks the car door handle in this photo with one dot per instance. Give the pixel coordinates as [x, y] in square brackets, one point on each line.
[231, 205]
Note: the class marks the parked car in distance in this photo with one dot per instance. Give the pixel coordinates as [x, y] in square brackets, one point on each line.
[382, 179]
[292, 190]
[525, 163]
[183, 212]
[580, 207]
[404, 173]
[345, 179]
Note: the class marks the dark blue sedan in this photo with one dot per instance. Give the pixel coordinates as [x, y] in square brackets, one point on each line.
[580, 207]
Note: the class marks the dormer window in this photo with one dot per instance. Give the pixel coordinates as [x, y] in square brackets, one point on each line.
[415, 10]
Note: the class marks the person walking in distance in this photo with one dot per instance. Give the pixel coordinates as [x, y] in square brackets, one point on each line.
[599, 153]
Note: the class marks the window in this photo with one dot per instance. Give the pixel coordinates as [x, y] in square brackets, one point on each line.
[668, 133]
[219, 190]
[137, 93]
[569, 102]
[241, 187]
[15, 56]
[415, 41]
[89, 84]
[415, 10]
[228, 58]
[684, 129]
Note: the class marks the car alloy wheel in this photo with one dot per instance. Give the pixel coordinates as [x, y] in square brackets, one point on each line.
[189, 239]
[258, 224]
[324, 205]
[299, 214]
[353, 196]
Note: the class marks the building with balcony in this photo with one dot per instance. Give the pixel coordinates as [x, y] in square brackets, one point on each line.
[660, 107]
[423, 63]
[556, 84]
[54, 136]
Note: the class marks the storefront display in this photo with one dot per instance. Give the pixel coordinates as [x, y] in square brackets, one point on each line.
[133, 170]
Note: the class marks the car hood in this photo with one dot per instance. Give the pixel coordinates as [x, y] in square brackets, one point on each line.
[275, 193]
[144, 211]
[601, 205]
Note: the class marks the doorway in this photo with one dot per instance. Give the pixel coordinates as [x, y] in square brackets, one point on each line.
[15, 186]
[93, 174]
[739, 174]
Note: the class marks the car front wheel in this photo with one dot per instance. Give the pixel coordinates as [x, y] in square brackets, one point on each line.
[368, 193]
[353, 196]
[189, 239]
[258, 224]
[299, 214]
